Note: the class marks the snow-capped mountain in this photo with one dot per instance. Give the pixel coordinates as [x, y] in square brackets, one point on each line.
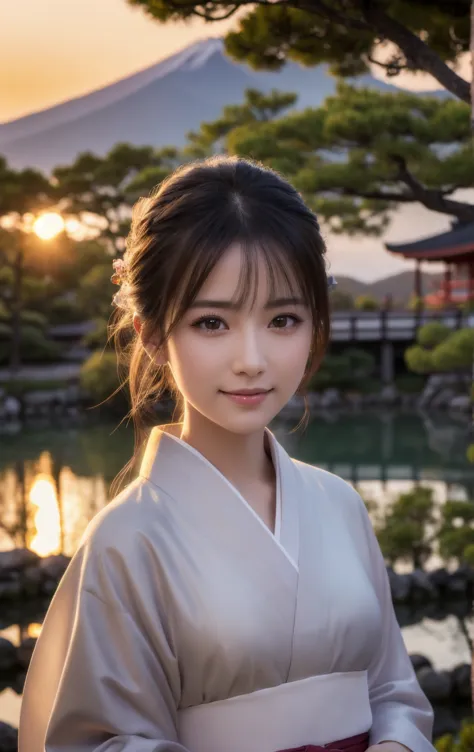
[156, 106]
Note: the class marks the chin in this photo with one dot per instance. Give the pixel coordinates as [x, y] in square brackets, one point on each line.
[249, 422]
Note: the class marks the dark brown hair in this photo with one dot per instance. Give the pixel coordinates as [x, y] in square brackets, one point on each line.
[178, 235]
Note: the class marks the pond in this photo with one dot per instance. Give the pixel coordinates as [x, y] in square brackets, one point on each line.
[54, 480]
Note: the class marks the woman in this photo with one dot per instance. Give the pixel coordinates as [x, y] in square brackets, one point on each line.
[230, 599]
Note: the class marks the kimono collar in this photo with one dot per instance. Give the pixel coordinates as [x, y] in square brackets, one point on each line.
[164, 444]
[183, 473]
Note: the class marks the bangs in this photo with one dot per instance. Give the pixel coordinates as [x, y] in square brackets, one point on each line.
[285, 276]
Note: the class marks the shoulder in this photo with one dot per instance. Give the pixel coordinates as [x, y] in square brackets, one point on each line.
[122, 518]
[338, 492]
[119, 540]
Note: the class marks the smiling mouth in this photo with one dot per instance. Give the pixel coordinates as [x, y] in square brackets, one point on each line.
[247, 392]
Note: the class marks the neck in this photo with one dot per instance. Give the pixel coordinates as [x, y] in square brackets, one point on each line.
[242, 458]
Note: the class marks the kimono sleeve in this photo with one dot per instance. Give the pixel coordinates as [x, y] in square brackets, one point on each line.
[400, 710]
[95, 683]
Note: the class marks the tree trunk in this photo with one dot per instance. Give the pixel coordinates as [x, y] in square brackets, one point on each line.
[16, 308]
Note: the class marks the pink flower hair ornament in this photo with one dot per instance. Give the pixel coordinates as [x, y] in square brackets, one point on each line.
[119, 277]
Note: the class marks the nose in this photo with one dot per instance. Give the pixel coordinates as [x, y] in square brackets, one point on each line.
[249, 356]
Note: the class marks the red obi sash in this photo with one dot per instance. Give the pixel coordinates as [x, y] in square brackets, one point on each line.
[359, 743]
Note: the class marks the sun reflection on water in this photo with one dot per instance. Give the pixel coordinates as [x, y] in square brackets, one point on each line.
[46, 518]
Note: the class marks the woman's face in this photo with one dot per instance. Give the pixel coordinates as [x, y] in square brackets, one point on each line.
[218, 351]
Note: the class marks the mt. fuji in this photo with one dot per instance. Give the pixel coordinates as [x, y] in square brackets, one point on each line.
[156, 106]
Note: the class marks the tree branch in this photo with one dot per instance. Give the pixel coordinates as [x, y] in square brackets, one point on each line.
[416, 50]
[432, 199]
[391, 68]
[320, 8]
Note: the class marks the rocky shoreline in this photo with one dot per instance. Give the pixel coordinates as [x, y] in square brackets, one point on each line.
[442, 393]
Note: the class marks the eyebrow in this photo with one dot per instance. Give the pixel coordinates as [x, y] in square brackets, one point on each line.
[231, 306]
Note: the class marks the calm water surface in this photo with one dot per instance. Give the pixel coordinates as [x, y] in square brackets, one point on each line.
[53, 481]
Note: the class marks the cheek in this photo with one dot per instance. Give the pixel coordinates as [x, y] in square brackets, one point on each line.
[189, 358]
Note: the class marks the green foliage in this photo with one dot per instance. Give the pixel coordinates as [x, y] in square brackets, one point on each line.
[456, 352]
[98, 337]
[341, 301]
[366, 303]
[345, 34]
[463, 743]
[470, 453]
[440, 350]
[99, 376]
[105, 188]
[95, 291]
[403, 532]
[28, 318]
[35, 347]
[432, 334]
[20, 387]
[349, 370]
[357, 157]
[63, 310]
[410, 383]
[456, 533]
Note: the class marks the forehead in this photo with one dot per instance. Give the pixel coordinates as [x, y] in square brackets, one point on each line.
[252, 274]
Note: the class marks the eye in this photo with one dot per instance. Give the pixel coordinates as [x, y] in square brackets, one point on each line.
[285, 321]
[209, 324]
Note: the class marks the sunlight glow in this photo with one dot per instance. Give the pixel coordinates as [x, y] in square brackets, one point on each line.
[48, 225]
[46, 519]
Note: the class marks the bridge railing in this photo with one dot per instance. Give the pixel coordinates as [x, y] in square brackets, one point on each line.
[391, 326]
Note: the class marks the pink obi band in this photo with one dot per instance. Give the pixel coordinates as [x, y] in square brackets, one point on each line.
[359, 743]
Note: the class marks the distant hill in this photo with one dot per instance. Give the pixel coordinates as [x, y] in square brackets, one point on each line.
[156, 106]
[399, 286]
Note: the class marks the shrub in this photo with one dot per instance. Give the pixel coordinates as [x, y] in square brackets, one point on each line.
[98, 376]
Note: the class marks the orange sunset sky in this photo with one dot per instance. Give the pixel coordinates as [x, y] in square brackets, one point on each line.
[52, 50]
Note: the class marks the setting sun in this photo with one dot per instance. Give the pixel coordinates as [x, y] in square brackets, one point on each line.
[48, 225]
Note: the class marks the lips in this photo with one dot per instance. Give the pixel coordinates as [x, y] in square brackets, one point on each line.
[247, 392]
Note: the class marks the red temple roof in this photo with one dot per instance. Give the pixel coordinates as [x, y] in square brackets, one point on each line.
[459, 241]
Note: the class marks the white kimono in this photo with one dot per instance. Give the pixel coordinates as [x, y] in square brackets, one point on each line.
[183, 624]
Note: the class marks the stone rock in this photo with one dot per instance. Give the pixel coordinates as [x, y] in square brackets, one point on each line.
[389, 394]
[32, 580]
[437, 685]
[442, 399]
[354, 400]
[10, 589]
[461, 677]
[461, 403]
[444, 722]
[423, 588]
[457, 583]
[439, 578]
[330, 398]
[400, 586]
[8, 658]
[420, 661]
[17, 560]
[313, 400]
[25, 651]
[8, 738]
[53, 567]
[11, 407]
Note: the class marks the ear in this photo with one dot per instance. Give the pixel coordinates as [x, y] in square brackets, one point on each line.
[152, 350]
